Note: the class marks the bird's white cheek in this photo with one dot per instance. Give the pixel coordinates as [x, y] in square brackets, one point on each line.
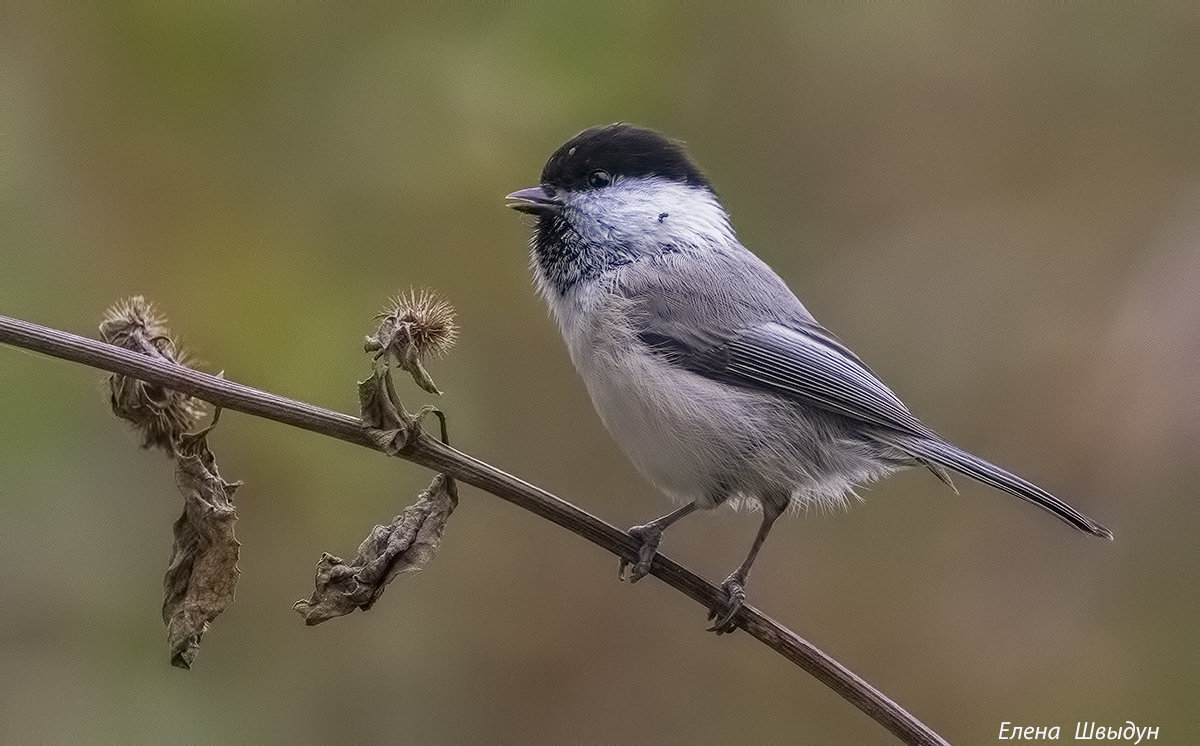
[651, 218]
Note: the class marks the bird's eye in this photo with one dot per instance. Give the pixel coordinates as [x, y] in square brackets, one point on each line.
[599, 178]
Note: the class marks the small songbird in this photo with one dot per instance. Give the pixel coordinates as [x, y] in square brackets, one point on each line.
[710, 374]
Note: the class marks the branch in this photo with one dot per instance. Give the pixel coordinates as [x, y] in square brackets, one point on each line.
[432, 453]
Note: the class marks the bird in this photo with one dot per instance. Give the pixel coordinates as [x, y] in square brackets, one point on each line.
[707, 370]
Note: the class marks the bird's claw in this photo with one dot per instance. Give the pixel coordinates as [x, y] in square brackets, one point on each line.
[722, 617]
[648, 537]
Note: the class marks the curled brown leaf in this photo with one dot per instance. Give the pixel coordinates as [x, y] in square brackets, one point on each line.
[203, 573]
[384, 418]
[407, 544]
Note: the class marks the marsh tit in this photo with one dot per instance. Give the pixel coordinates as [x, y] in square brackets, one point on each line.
[710, 374]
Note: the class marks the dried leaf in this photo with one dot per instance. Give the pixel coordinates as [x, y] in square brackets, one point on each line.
[407, 544]
[383, 416]
[203, 573]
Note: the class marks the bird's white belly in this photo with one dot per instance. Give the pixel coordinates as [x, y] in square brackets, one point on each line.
[670, 438]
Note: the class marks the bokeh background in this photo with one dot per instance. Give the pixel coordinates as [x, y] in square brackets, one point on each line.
[995, 206]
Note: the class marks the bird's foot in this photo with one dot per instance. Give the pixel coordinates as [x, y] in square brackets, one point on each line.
[735, 596]
[648, 537]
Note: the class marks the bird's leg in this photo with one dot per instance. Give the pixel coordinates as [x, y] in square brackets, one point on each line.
[735, 585]
[649, 535]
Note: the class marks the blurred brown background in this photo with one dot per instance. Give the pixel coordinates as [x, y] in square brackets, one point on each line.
[996, 207]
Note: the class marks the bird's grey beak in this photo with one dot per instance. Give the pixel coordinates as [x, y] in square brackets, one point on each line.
[535, 201]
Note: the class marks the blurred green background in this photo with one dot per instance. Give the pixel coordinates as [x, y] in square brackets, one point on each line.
[995, 206]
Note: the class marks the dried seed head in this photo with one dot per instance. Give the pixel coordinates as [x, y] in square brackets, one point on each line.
[428, 318]
[416, 325]
[131, 322]
[162, 415]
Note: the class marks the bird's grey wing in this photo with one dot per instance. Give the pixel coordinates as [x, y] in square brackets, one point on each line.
[798, 360]
[732, 318]
[801, 361]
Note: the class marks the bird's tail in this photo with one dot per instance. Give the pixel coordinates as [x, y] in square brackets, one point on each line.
[945, 454]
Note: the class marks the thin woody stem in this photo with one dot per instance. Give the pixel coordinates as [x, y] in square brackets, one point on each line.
[432, 453]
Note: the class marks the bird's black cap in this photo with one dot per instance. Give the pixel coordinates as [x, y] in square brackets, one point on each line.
[620, 150]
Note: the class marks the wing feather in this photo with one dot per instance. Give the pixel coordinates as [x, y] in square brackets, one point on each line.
[802, 362]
